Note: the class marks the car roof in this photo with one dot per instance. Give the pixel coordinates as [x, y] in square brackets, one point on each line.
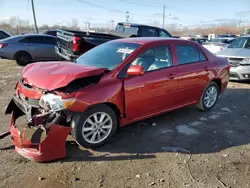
[246, 36]
[135, 24]
[36, 35]
[148, 40]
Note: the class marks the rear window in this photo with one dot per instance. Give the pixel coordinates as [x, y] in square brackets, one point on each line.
[50, 40]
[189, 54]
[149, 32]
[127, 29]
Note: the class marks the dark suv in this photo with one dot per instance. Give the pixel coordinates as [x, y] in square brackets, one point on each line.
[4, 34]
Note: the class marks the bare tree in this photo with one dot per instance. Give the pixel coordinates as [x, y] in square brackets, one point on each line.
[75, 24]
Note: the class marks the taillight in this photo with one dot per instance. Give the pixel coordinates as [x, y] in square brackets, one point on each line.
[75, 43]
[3, 45]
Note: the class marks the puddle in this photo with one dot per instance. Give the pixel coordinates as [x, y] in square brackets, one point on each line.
[185, 129]
[175, 149]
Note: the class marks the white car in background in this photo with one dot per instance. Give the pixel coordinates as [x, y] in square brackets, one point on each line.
[218, 44]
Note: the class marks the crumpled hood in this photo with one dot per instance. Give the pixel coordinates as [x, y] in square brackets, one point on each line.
[235, 52]
[57, 74]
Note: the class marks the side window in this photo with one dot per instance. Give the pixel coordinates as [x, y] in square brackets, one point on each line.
[37, 40]
[187, 54]
[202, 56]
[24, 40]
[155, 58]
[163, 34]
[149, 32]
[50, 40]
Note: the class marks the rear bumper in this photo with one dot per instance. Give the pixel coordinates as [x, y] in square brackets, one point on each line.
[240, 73]
[5, 56]
[65, 54]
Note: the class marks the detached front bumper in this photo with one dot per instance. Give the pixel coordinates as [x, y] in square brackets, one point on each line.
[36, 143]
[51, 148]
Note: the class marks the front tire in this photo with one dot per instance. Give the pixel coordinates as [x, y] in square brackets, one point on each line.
[95, 127]
[209, 97]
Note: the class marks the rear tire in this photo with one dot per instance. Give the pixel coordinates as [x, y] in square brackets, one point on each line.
[23, 58]
[95, 127]
[209, 97]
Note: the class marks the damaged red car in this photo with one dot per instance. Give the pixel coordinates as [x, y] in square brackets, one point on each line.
[112, 85]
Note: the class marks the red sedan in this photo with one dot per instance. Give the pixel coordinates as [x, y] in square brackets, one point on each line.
[115, 84]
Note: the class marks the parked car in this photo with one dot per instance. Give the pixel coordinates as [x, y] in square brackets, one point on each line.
[238, 55]
[29, 48]
[71, 44]
[200, 40]
[115, 84]
[51, 32]
[218, 44]
[4, 34]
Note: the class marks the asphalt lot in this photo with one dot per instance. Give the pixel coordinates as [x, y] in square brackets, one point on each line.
[184, 148]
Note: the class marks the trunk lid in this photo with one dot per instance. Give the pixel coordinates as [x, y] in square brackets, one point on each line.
[54, 75]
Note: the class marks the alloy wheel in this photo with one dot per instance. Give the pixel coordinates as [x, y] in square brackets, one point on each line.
[97, 127]
[210, 96]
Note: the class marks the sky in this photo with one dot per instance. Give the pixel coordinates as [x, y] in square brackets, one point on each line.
[101, 12]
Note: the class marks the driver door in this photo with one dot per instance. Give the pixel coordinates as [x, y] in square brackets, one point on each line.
[155, 91]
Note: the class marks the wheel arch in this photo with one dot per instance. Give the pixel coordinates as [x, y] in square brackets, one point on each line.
[21, 51]
[113, 106]
[218, 82]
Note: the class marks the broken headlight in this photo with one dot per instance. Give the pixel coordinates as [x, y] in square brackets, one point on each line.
[54, 102]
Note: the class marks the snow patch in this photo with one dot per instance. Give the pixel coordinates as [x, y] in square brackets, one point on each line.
[203, 119]
[185, 129]
[167, 131]
[214, 117]
[175, 149]
[195, 123]
[226, 109]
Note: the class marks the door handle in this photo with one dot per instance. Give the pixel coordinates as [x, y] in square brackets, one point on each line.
[171, 75]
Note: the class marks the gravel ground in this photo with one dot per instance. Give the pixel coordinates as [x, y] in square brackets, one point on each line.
[184, 148]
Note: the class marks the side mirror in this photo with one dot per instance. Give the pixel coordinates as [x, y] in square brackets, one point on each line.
[135, 70]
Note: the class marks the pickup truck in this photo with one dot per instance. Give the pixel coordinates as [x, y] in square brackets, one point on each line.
[71, 44]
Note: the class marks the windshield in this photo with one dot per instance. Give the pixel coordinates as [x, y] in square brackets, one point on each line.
[107, 55]
[127, 29]
[243, 42]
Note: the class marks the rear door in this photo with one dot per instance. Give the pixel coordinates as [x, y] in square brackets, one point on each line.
[35, 46]
[192, 74]
[40, 47]
[49, 45]
[155, 91]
